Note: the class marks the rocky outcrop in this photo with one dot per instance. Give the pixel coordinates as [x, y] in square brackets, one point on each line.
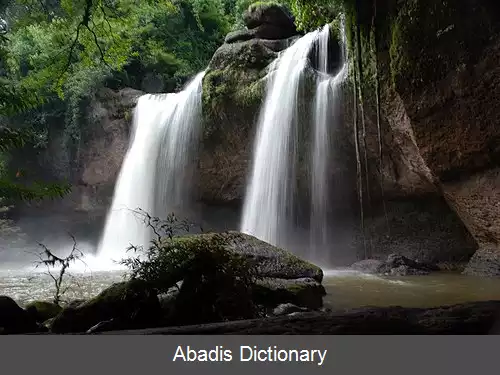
[281, 277]
[271, 262]
[233, 90]
[394, 265]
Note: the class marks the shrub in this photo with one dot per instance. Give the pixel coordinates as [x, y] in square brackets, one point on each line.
[215, 283]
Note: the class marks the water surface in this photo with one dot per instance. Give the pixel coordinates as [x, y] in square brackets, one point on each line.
[346, 289]
[349, 289]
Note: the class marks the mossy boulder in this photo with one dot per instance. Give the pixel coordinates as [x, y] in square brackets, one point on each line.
[270, 261]
[43, 310]
[14, 319]
[134, 304]
[279, 276]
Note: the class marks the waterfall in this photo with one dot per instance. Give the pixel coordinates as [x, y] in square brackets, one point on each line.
[325, 119]
[269, 201]
[269, 207]
[154, 176]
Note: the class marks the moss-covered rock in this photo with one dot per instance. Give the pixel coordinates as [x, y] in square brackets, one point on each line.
[233, 91]
[133, 303]
[243, 270]
[270, 261]
[43, 310]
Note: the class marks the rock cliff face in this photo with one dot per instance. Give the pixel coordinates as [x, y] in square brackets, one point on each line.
[440, 95]
[413, 218]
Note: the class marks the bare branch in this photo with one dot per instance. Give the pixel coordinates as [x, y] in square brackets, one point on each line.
[50, 260]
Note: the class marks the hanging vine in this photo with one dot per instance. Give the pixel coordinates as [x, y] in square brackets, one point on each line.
[359, 85]
[359, 179]
[374, 51]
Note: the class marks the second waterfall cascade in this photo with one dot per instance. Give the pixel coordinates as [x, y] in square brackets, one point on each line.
[269, 211]
[154, 176]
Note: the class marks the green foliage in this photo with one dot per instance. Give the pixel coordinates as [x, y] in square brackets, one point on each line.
[216, 283]
[55, 55]
[311, 14]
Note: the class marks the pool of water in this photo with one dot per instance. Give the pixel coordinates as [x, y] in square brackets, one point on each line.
[349, 289]
[345, 289]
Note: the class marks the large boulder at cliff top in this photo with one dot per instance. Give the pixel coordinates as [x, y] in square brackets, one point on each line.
[268, 13]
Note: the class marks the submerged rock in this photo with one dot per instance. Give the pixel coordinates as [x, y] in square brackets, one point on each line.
[134, 303]
[394, 265]
[14, 319]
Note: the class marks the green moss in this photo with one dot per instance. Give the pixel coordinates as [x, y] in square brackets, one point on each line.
[235, 90]
[430, 38]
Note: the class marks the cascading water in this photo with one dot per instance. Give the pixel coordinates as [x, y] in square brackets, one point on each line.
[153, 176]
[325, 120]
[268, 212]
[268, 207]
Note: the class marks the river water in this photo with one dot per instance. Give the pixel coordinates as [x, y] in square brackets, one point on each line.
[346, 289]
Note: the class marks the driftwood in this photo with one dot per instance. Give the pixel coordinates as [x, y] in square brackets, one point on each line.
[469, 318]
